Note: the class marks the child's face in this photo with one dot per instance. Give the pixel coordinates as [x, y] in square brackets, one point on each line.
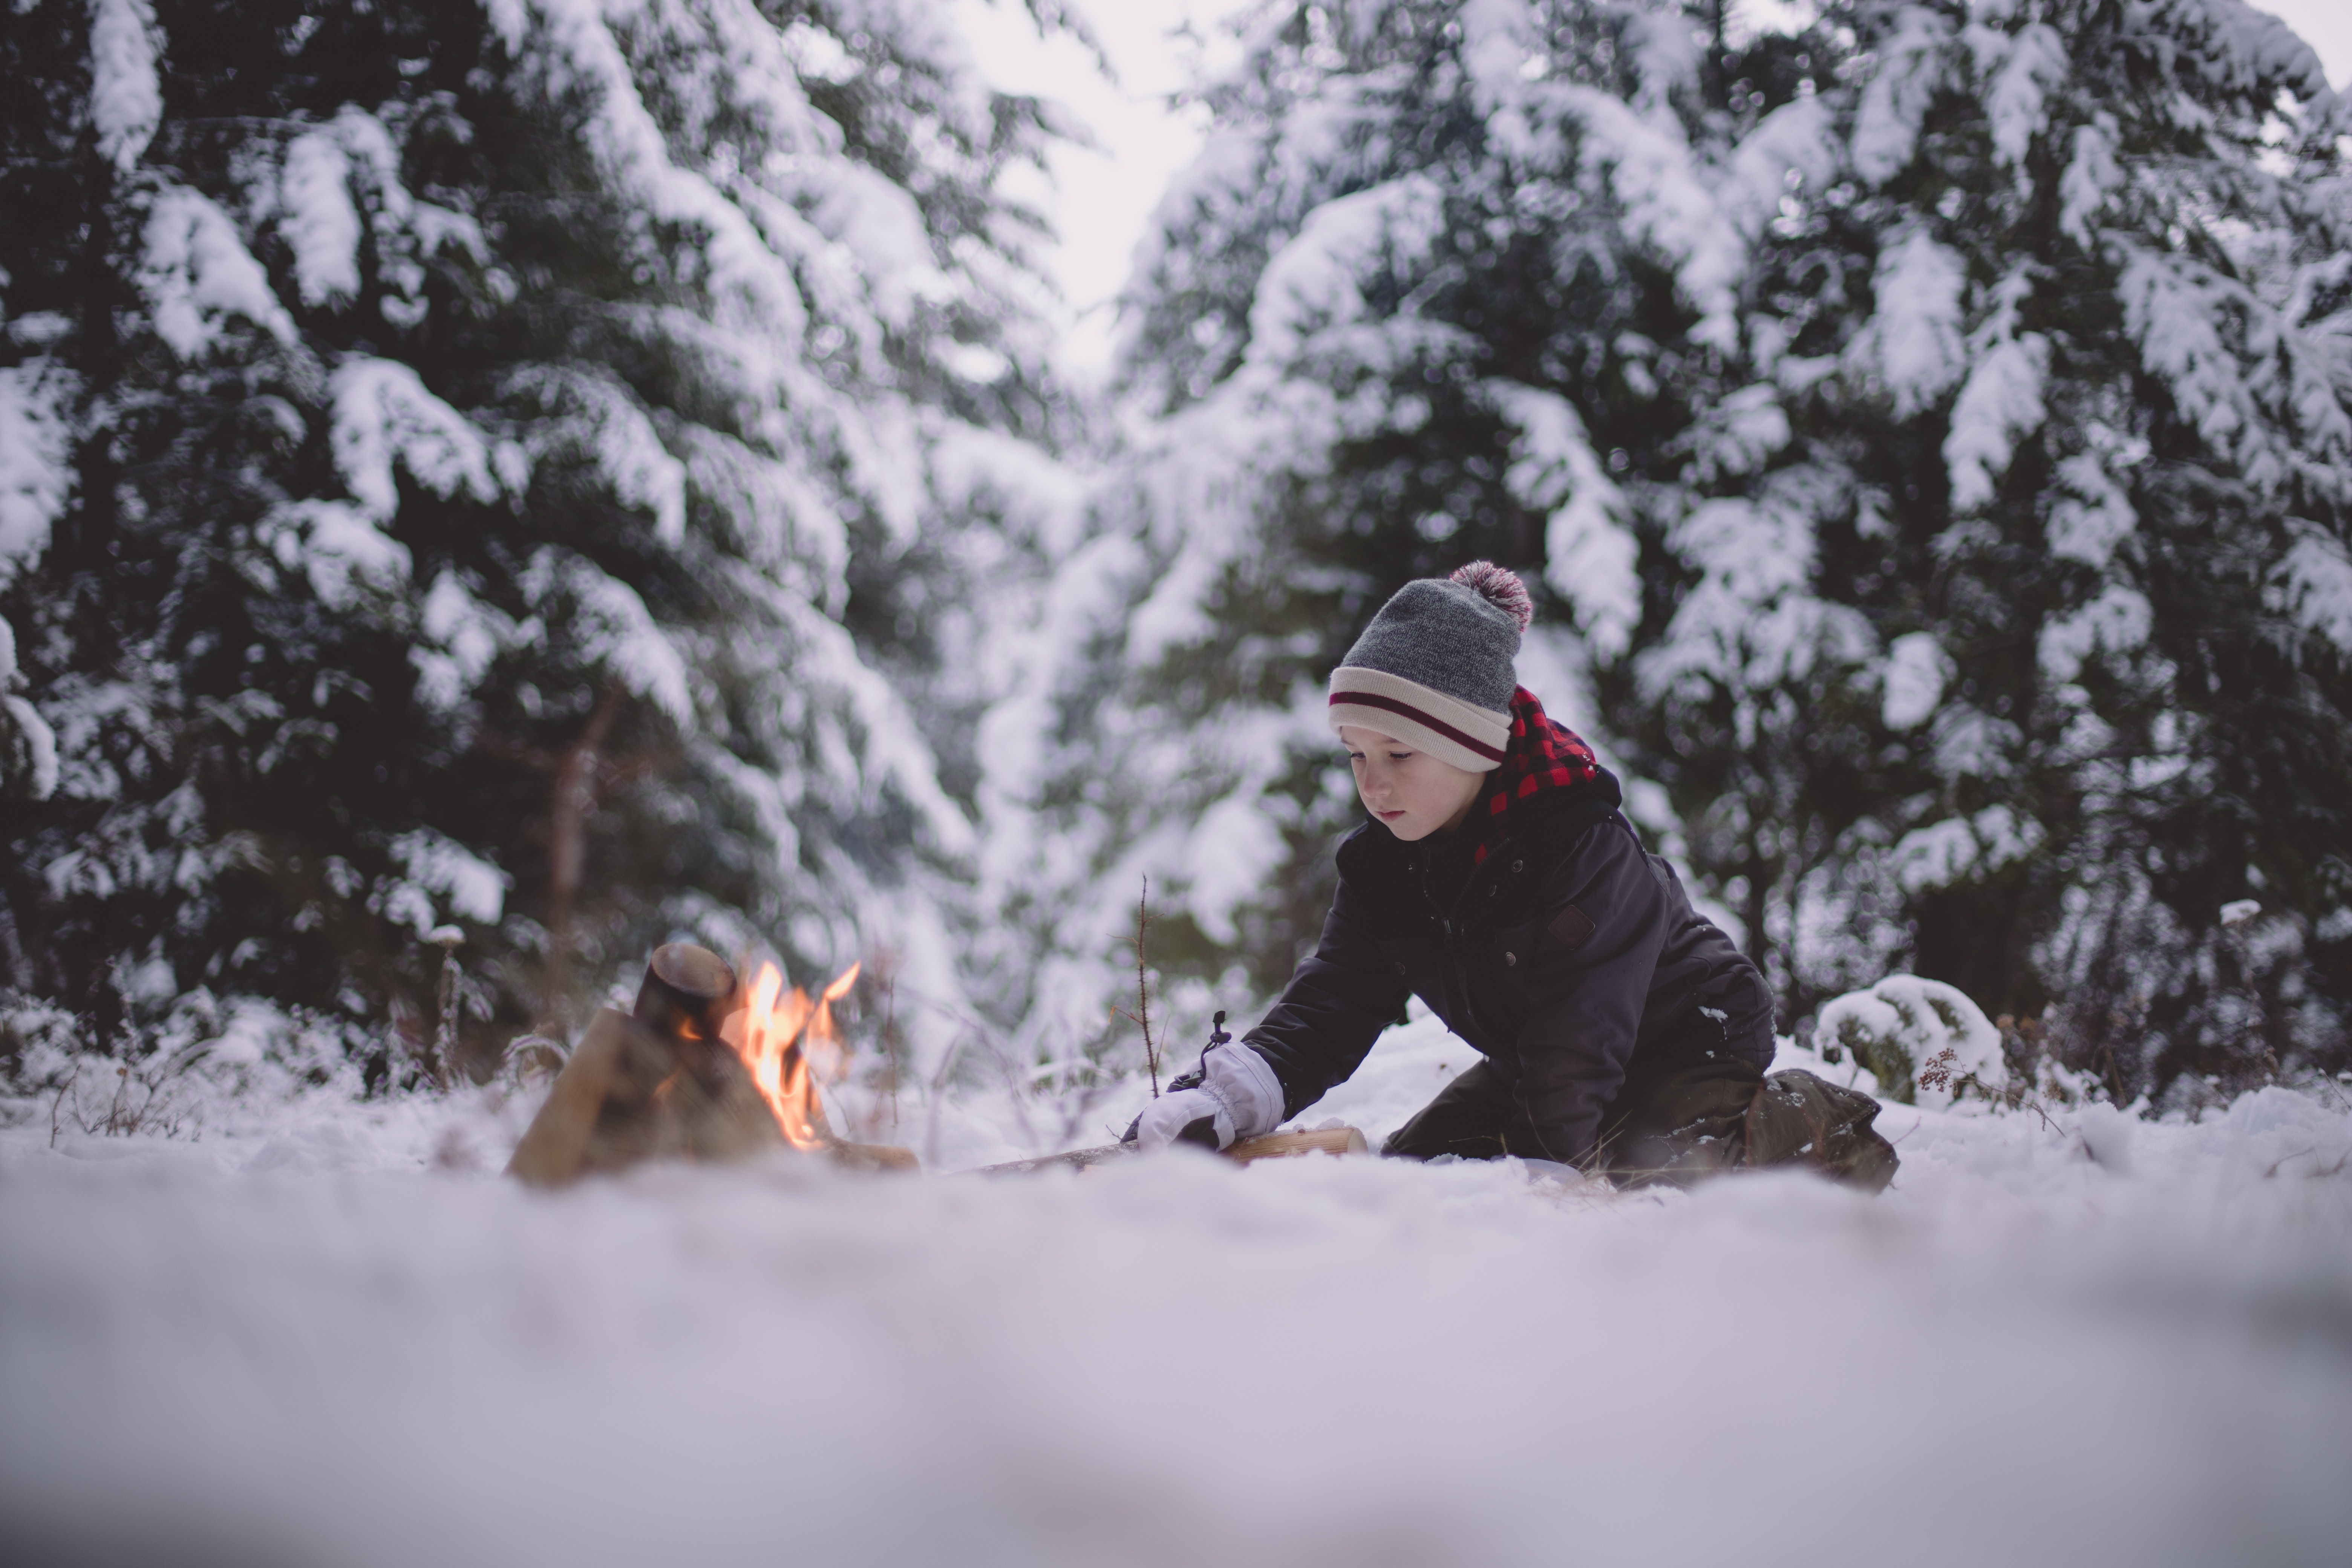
[1409, 793]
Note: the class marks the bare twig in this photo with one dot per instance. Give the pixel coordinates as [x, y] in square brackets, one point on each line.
[57, 1102]
[444, 1046]
[889, 1036]
[1144, 988]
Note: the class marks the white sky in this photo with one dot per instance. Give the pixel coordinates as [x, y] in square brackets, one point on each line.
[1102, 198]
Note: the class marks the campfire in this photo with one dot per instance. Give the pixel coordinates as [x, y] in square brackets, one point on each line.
[701, 1068]
[787, 1043]
[706, 1070]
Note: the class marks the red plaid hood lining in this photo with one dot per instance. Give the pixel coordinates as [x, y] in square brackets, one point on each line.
[1541, 754]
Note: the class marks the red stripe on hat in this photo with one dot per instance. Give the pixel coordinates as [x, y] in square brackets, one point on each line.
[1374, 699]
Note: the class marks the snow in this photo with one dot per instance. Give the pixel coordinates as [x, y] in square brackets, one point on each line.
[2116, 620]
[2000, 403]
[384, 416]
[34, 476]
[1900, 1027]
[1668, 203]
[1910, 70]
[459, 636]
[197, 273]
[2090, 514]
[1917, 671]
[1231, 847]
[2033, 61]
[40, 742]
[2177, 309]
[1310, 285]
[327, 1333]
[606, 421]
[1942, 853]
[339, 547]
[126, 100]
[2092, 177]
[1590, 556]
[615, 628]
[468, 885]
[1915, 330]
[320, 223]
[2315, 581]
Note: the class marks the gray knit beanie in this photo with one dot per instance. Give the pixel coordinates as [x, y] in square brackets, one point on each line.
[1435, 669]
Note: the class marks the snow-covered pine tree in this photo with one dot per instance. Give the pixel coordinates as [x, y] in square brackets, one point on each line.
[434, 439]
[1931, 420]
[1444, 284]
[2061, 341]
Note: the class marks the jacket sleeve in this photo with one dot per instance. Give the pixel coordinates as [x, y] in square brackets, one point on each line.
[1606, 921]
[1333, 1010]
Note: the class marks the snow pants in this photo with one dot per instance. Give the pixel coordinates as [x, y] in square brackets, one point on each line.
[1678, 1126]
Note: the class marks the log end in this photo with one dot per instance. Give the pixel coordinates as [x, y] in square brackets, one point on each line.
[687, 991]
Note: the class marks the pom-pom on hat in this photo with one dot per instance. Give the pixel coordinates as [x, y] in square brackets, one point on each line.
[1435, 668]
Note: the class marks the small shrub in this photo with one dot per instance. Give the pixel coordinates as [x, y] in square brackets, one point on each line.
[1924, 1041]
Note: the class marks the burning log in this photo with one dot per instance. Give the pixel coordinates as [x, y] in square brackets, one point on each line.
[1273, 1146]
[696, 1071]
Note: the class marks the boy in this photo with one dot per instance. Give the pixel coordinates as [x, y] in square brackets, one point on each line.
[1622, 1032]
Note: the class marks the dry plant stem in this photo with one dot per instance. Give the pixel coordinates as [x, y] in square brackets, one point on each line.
[931, 1093]
[446, 1048]
[889, 1037]
[1144, 988]
[58, 1103]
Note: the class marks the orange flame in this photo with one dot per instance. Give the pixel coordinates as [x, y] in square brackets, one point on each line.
[787, 1042]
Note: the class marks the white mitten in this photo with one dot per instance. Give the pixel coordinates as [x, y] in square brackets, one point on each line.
[1239, 1097]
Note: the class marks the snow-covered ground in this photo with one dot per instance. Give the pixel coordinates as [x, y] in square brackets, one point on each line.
[329, 1334]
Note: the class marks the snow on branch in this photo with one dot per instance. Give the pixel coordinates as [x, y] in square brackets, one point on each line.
[321, 225]
[2315, 583]
[617, 632]
[1914, 340]
[1911, 69]
[1669, 203]
[598, 415]
[126, 100]
[2033, 61]
[35, 478]
[197, 273]
[2001, 402]
[338, 548]
[384, 416]
[32, 733]
[437, 864]
[1311, 285]
[1590, 556]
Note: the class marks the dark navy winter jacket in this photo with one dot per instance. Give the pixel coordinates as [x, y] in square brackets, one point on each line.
[1568, 957]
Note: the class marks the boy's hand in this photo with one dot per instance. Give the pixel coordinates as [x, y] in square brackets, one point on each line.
[1239, 1097]
[1187, 1116]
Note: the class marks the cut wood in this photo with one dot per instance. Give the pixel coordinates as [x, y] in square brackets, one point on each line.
[1290, 1145]
[629, 1095]
[1273, 1146]
[687, 991]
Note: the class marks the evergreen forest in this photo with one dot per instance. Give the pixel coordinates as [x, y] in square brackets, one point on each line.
[538, 478]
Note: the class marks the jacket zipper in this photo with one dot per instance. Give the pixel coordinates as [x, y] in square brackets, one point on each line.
[1449, 929]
